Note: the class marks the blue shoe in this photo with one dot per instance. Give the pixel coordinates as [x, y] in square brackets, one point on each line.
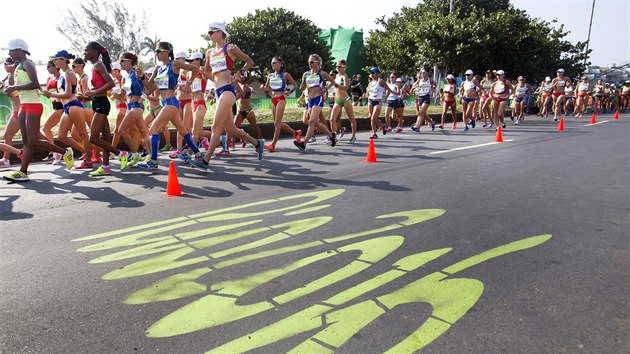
[465, 129]
[260, 149]
[199, 162]
[224, 142]
[432, 127]
[415, 129]
[472, 123]
[148, 165]
[184, 157]
[312, 140]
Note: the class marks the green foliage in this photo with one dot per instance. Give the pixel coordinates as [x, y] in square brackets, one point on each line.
[109, 23]
[479, 35]
[277, 32]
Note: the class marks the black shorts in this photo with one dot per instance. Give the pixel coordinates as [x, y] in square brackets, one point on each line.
[57, 106]
[101, 105]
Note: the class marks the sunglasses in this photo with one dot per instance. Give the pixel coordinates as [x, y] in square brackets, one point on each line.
[275, 62]
[123, 60]
[313, 62]
[162, 50]
[341, 66]
[392, 77]
[211, 32]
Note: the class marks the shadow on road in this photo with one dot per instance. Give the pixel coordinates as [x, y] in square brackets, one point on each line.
[6, 209]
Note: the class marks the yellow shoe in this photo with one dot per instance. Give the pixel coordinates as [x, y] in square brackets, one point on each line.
[68, 158]
[101, 171]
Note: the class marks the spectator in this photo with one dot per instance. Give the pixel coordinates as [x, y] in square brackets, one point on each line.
[357, 90]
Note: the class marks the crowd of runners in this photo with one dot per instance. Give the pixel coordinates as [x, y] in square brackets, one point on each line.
[175, 92]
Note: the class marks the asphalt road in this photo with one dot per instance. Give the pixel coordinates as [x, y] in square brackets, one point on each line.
[449, 244]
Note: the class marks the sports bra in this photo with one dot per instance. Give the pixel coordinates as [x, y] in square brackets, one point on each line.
[51, 84]
[248, 93]
[97, 80]
[314, 80]
[468, 85]
[61, 85]
[198, 84]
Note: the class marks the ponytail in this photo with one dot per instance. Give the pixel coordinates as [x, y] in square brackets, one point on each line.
[102, 51]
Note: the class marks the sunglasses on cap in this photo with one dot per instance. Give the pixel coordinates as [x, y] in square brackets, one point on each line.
[211, 32]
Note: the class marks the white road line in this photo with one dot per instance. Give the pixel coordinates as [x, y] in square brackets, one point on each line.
[588, 125]
[465, 148]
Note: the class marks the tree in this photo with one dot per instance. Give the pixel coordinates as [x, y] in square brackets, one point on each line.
[109, 23]
[480, 34]
[277, 32]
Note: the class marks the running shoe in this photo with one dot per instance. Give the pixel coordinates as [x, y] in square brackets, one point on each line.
[352, 140]
[101, 171]
[260, 149]
[68, 158]
[333, 141]
[517, 123]
[384, 129]
[198, 161]
[205, 143]
[415, 129]
[441, 126]
[17, 176]
[85, 165]
[166, 147]
[184, 157]
[512, 117]
[48, 158]
[432, 126]
[298, 135]
[4, 163]
[123, 159]
[270, 147]
[133, 160]
[465, 129]
[374, 136]
[454, 125]
[148, 164]
[222, 153]
[231, 145]
[312, 140]
[342, 132]
[327, 141]
[399, 130]
[300, 145]
[243, 143]
[56, 158]
[555, 119]
[173, 155]
[484, 125]
[503, 125]
[96, 158]
[473, 124]
[389, 129]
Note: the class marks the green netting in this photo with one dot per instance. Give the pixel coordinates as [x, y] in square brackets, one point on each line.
[347, 44]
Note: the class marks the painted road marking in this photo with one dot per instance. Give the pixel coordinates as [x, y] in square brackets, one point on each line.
[187, 253]
[467, 147]
[588, 125]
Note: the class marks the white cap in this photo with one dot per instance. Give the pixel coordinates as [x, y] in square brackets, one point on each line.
[220, 26]
[627, 82]
[500, 72]
[16, 44]
[560, 71]
[519, 78]
[195, 55]
[548, 78]
[612, 85]
[468, 72]
[116, 66]
[181, 54]
[398, 80]
[450, 76]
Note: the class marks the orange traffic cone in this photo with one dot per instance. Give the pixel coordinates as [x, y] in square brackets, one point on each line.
[616, 117]
[561, 125]
[371, 155]
[499, 137]
[172, 185]
[593, 118]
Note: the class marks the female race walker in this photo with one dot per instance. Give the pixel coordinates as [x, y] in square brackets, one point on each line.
[277, 83]
[424, 87]
[343, 100]
[13, 125]
[501, 90]
[29, 116]
[469, 92]
[448, 98]
[376, 89]
[314, 81]
[557, 85]
[394, 102]
[165, 77]
[133, 129]
[486, 101]
[219, 64]
[581, 92]
[72, 109]
[521, 92]
[101, 82]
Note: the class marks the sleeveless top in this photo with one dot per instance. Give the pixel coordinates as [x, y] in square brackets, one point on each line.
[97, 80]
[521, 91]
[198, 84]
[21, 78]
[314, 80]
[392, 96]
[277, 83]
[166, 79]
[220, 60]
[424, 87]
[131, 84]
[375, 90]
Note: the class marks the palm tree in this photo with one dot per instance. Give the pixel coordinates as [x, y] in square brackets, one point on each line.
[148, 46]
